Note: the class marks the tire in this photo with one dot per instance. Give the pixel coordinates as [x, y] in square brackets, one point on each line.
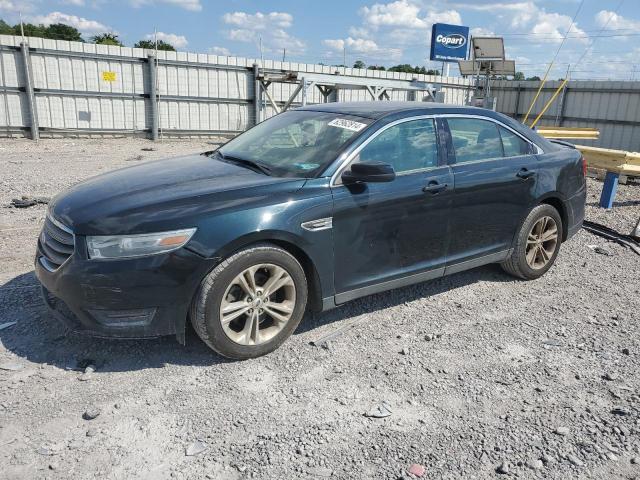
[518, 264]
[251, 334]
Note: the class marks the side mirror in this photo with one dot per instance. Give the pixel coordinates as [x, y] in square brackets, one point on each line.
[372, 172]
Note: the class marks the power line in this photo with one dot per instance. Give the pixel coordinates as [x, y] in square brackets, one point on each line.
[585, 33]
[584, 63]
[573, 21]
[593, 39]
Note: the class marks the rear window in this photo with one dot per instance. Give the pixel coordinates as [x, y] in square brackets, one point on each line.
[513, 144]
[476, 139]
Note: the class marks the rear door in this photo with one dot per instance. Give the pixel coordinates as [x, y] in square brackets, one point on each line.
[495, 173]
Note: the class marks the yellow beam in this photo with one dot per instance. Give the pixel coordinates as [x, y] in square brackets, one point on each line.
[569, 132]
[618, 161]
[548, 104]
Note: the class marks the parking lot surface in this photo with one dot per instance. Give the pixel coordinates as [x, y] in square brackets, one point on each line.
[476, 375]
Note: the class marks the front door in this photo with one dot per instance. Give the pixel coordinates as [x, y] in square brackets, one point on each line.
[387, 232]
[495, 173]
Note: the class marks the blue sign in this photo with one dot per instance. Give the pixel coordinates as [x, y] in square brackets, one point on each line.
[449, 43]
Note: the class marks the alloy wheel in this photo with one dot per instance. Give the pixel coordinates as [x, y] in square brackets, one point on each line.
[542, 242]
[257, 304]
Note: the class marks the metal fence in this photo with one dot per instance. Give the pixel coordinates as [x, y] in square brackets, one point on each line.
[53, 87]
[80, 88]
[610, 106]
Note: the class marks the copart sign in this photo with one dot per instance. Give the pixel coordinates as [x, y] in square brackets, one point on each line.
[449, 43]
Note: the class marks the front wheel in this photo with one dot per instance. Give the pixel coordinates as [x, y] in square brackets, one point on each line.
[250, 303]
[537, 244]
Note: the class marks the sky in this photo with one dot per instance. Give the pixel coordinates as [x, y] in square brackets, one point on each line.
[601, 43]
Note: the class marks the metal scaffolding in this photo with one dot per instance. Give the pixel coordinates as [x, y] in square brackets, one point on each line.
[329, 86]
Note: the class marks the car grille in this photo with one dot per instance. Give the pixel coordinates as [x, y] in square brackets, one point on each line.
[55, 245]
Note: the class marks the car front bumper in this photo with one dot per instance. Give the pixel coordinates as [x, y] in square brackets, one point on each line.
[127, 298]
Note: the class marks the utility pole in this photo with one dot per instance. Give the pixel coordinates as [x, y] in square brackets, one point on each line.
[261, 53]
[21, 26]
[344, 58]
[284, 54]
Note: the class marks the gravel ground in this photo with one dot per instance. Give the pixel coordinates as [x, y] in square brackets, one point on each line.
[481, 375]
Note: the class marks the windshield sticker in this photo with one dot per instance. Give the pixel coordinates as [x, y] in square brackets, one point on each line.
[306, 166]
[347, 124]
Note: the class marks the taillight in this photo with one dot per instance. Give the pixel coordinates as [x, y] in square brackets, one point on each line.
[584, 166]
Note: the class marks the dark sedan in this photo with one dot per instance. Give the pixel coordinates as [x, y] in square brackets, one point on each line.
[309, 209]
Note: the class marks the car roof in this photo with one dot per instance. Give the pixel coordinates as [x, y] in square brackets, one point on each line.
[394, 109]
[375, 110]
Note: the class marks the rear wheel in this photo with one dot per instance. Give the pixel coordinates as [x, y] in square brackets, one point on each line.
[251, 303]
[537, 244]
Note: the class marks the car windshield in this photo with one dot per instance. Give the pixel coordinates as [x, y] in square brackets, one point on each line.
[297, 143]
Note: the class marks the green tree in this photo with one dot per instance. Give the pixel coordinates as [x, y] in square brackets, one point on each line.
[60, 31]
[57, 31]
[359, 64]
[151, 45]
[518, 76]
[376, 67]
[5, 28]
[31, 30]
[534, 78]
[405, 67]
[107, 39]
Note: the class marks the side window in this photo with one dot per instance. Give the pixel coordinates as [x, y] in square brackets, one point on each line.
[474, 139]
[407, 146]
[513, 145]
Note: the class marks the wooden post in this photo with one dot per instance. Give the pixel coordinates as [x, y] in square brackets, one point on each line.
[609, 190]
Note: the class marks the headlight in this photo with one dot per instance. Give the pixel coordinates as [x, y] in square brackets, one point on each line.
[123, 246]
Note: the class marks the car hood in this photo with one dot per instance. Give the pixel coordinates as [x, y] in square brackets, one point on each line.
[165, 194]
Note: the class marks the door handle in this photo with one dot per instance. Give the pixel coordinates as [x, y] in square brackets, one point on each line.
[434, 187]
[524, 173]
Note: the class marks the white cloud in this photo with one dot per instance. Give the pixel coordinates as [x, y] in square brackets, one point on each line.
[613, 21]
[527, 17]
[260, 21]
[360, 32]
[270, 27]
[361, 46]
[178, 41]
[406, 14]
[16, 6]
[400, 13]
[553, 27]
[220, 51]
[82, 24]
[191, 5]
[395, 25]
[482, 32]
[354, 45]
[75, 3]
[447, 16]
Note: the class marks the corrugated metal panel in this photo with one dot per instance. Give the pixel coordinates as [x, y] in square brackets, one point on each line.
[610, 106]
[12, 113]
